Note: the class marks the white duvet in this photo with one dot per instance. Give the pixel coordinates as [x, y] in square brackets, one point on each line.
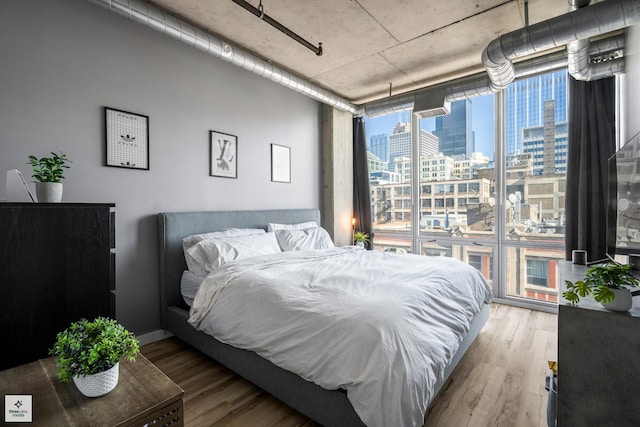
[381, 326]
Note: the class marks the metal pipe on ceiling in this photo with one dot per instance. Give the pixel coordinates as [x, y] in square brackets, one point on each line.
[581, 24]
[578, 51]
[165, 23]
[579, 56]
[259, 12]
[479, 84]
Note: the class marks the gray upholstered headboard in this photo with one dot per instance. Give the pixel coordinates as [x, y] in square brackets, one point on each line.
[174, 226]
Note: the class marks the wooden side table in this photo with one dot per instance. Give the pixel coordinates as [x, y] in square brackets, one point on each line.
[144, 396]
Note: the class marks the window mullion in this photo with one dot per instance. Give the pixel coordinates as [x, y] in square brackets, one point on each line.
[415, 182]
[499, 158]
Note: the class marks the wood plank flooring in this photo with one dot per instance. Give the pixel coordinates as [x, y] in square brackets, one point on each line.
[499, 382]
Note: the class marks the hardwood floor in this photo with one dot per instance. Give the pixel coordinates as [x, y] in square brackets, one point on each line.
[499, 382]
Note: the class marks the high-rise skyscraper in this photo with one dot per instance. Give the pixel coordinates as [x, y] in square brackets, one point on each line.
[547, 144]
[400, 142]
[525, 105]
[379, 145]
[454, 131]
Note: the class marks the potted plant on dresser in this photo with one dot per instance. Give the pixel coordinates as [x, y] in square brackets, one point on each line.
[49, 173]
[607, 283]
[89, 352]
[360, 239]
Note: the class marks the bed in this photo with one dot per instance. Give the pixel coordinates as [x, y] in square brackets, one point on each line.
[327, 407]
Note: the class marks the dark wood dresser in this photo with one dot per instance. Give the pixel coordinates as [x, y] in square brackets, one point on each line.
[57, 265]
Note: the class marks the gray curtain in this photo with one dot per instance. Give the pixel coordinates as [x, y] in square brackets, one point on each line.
[361, 195]
[591, 143]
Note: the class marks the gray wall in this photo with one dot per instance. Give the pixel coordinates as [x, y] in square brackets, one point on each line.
[63, 60]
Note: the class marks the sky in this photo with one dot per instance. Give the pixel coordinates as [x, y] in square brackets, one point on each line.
[482, 123]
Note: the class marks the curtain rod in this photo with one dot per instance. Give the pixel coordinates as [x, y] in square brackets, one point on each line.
[259, 12]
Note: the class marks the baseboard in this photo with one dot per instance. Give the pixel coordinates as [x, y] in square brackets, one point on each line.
[153, 336]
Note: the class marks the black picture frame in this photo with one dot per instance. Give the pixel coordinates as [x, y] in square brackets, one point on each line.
[280, 163]
[126, 138]
[223, 155]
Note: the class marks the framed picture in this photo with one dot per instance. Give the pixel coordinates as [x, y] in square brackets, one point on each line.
[223, 155]
[126, 139]
[280, 163]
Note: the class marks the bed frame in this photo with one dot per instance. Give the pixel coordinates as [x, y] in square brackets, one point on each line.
[327, 407]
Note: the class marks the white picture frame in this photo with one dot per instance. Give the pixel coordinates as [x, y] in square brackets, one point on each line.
[280, 163]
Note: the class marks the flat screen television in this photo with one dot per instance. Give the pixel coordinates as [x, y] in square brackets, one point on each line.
[623, 213]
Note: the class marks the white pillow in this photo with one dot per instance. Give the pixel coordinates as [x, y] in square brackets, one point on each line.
[302, 240]
[189, 241]
[189, 285]
[300, 226]
[213, 253]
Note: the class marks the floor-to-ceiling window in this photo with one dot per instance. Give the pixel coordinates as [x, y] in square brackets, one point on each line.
[535, 115]
[500, 214]
[457, 208]
[390, 153]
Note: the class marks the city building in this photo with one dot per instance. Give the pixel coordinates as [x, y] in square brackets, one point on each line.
[434, 167]
[391, 203]
[379, 171]
[375, 164]
[465, 167]
[454, 132]
[533, 142]
[438, 167]
[525, 105]
[547, 143]
[379, 145]
[400, 142]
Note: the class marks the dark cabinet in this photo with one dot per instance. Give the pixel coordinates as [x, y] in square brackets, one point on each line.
[598, 369]
[57, 265]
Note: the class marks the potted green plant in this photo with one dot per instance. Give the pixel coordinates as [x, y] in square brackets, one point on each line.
[89, 352]
[607, 283]
[360, 238]
[49, 173]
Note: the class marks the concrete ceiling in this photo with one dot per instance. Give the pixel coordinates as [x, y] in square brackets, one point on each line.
[368, 44]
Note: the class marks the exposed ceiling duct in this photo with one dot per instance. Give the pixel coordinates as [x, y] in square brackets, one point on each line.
[580, 24]
[578, 51]
[165, 23]
[580, 65]
[480, 84]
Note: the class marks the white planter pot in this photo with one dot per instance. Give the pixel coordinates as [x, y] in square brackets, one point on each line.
[98, 384]
[49, 192]
[622, 302]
